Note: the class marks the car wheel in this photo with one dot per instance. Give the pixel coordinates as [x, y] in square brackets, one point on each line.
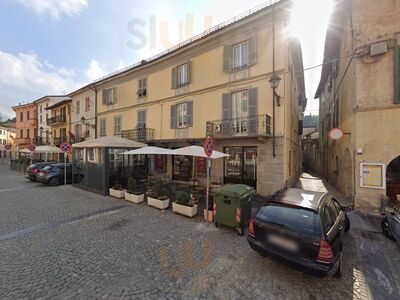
[339, 271]
[386, 229]
[347, 224]
[54, 181]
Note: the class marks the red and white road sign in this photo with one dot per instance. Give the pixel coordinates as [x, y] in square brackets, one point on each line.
[7, 147]
[65, 147]
[32, 147]
[209, 146]
[335, 134]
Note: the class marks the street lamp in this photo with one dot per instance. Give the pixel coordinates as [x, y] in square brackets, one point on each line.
[83, 120]
[274, 81]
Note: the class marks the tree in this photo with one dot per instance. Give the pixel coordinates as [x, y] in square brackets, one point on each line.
[311, 121]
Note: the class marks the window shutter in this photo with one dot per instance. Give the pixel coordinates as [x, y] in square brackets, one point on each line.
[174, 78]
[252, 44]
[115, 96]
[227, 58]
[189, 116]
[226, 113]
[253, 110]
[173, 116]
[397, 74]
[104, 96]
[189, 72]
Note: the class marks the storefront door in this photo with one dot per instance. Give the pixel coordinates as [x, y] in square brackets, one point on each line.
[182, 168]
[241, 166]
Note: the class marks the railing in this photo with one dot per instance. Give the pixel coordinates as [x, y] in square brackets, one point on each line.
[59, 140]
[249, 126]
[193, 39]
[56, 119]
[141, 134]
[78, 139]
[22, 141]
[40, 141]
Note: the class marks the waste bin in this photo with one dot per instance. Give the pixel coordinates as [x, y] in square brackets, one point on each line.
[232, 206]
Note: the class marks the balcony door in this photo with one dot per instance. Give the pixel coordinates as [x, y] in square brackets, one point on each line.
[240, 113]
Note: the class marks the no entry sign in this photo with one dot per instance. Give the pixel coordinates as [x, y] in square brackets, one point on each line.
[7, 147]
[65, 147]
[209, 146]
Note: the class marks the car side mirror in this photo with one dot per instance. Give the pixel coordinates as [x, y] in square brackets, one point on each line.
[389, 210]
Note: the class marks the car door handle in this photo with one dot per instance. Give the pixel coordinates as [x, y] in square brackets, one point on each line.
[341, 228]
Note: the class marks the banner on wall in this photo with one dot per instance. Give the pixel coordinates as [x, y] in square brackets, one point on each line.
[373, 175]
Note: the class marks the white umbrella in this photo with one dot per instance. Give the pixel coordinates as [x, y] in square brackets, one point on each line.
[109, 142]
[47, 149]
[149, 150]
[198, 151]
[25, 150]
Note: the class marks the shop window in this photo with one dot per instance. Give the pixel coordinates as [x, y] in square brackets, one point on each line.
[183, 167]
[241, 165]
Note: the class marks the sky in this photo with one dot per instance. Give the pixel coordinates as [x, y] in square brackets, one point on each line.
[56, 46]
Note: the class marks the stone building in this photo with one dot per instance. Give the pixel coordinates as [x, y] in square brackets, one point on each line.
[359, 94]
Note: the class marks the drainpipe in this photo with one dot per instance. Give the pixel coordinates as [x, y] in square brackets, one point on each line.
[273, 89]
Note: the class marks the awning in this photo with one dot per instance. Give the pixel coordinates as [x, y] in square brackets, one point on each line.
[47, 149]
[25, 150]
[109, 142]
[149, 150]
[197, 151]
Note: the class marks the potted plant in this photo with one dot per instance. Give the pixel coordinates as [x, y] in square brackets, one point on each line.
[185, 204]
[135, 192]
[209, 213]
[157, 197]
[117, 191]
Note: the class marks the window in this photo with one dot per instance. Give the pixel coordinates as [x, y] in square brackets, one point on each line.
[87, 130]
[102, 127]
[47, 118]
[142, 91]
[27, 133]
[327, 219]
[240, 55]
[21, 133]
[27, 115]
[40, 109]
[41, 119]
[78, 107]
[240, 112]
[141, 120]
[181, 115]
[183, 77]
[117, 125]
[21, 116]
[110, 96]
[87, 104]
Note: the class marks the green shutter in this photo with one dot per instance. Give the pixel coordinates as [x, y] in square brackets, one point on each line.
[252, 48]
[227, 58]
[174, 78]
[397, 74]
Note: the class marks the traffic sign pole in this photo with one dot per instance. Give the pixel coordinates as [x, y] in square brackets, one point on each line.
[65, 170]
[208, 150]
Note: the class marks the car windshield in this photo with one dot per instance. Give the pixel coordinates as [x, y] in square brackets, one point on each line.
[297, 219]
[47, 168]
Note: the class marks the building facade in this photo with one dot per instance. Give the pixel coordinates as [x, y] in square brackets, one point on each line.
[26, 124]
[217, 85]
[359, 93]
[83, 114]
[7, 138]
[60, 121]
[44, 131]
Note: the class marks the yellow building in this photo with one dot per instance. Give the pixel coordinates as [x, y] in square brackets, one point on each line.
[60, 121]
[359, 93]
[7, 137]
[216, 84]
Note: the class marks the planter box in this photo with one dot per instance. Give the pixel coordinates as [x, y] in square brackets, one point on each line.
[184, 210]
[117, 193]
[134, 198]
[209, 214]
[160, 204]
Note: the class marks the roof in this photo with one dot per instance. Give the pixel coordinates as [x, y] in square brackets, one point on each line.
[299, 197]
[332, 43]
[22, 105]
[59, 103]
[109, 142]
[53, 98]
[309, 130]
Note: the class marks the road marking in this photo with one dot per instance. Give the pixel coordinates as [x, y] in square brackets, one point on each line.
[34, 229]
[16, 189]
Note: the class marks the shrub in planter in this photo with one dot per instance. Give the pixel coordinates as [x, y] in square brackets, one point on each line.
[185, 205]
[117, 191]
[135, 191]
[157, 196]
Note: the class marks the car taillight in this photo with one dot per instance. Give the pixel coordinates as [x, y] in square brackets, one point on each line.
[44, 172]
[325, 254]
[251, 228]
[35, 170]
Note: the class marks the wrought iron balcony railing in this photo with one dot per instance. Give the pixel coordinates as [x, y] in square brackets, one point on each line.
[259, 125]
[59, 140]
[41, 141]
[140, 134]
[56, 119]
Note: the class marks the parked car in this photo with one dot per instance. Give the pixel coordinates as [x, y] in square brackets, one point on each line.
[34, 169]
[391, 223]
[304, 229]
[54, 174]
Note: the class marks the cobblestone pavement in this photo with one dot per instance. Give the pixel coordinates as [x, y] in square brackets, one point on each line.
[96, 247]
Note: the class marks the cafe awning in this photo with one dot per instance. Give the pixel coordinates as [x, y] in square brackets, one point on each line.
[149, 150]
[47, 149]
[197, 151]
[109, 142]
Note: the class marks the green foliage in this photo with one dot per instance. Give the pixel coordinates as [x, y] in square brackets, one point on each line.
[134, 187]
[182, 198]
[311, 121]
[158, 190]
[117, 186]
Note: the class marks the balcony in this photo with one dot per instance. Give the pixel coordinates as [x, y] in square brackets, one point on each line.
[40, 141]
[139, 135]
[22, 141]
[259, 125]
[56, 119]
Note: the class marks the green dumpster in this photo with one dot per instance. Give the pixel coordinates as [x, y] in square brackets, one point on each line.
[232, 206]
